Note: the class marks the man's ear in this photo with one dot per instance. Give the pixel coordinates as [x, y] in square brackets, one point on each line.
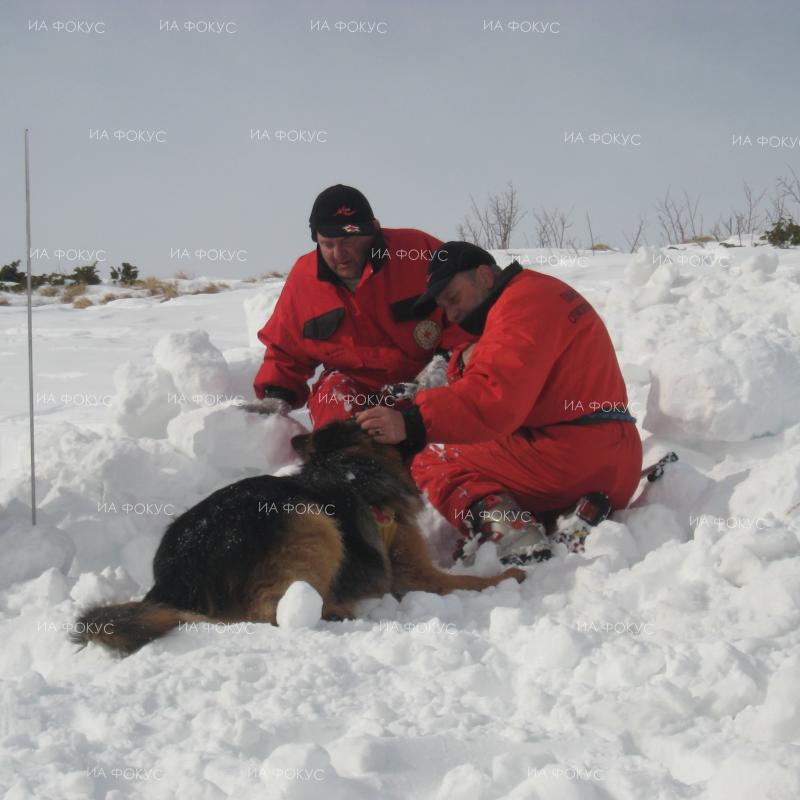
[487, 277]
[302, 444]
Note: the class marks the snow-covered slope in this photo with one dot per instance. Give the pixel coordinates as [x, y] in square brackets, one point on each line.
[664, 663]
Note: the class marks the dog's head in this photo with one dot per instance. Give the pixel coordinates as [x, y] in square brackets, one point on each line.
[346, 436]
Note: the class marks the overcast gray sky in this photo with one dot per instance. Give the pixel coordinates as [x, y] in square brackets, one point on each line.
[429, 103]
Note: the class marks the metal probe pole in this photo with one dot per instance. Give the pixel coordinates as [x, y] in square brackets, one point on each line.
[30, 326]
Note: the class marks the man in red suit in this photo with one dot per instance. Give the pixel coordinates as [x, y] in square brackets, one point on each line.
[534, 415]
[349, 307]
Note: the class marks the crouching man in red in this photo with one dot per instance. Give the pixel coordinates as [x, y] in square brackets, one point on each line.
[349, 306]
[510, 434]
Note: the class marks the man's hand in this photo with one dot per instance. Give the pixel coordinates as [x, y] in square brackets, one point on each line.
[385, 425]
[268, 405]
[466, 354]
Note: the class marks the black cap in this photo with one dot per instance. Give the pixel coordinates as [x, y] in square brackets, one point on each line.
[341, 211]
[447, 261]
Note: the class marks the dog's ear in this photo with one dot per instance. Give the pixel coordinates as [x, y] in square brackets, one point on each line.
[302, 444]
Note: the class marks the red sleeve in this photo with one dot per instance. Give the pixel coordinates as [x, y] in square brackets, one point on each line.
[286, 367]
[508, 367]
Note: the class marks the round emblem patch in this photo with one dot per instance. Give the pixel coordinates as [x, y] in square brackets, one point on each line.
[427, 334]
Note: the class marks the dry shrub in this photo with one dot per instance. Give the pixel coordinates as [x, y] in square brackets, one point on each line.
[72, 291]
[82, 302]
[49, 291]
[600, 247]
[211, 288]
[155, 286]
[170, 291]
[4, 302]
[181, 275]
[110, 296]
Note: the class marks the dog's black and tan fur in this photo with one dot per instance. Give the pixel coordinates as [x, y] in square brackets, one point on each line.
[231, 557]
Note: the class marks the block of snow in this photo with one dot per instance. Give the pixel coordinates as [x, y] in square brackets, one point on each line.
[735, 388]
[198, 369]
[764, 261]
[233, 439]
[300, 606]
[141, 405]
[30, 550]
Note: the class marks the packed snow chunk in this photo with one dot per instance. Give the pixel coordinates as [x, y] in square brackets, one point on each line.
[680, 489]
[49, 589]
[504, 622]
[243, 364]
[304, 772]
[235, 440]
[110, 586]
[746, 775]
[551, 645]
[772, 485]
[562, 782]
[465, 782]
[258, 309]
[433, 374]
[765, 262]
[778, 719]
[653, 525]
[658, 288]
[733, 389]
[613, 540]
[643, 265]
[357, 755]
[141, 406]
[199, 371]
[300, 607]
[30, 550]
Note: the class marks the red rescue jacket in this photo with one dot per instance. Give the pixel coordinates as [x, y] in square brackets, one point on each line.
[371, 334]
[544, 356]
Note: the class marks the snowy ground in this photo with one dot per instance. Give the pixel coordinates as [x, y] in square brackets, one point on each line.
[665, 663]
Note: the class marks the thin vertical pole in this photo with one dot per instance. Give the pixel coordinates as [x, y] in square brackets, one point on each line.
[30, 323]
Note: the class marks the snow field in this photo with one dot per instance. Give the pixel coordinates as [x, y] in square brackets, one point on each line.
[662, 664]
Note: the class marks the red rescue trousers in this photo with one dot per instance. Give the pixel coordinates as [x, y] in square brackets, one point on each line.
[544, 470]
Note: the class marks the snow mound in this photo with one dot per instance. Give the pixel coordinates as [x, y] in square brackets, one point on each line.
[257, 310]
[196, 367]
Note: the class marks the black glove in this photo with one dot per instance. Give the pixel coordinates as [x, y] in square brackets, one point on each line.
[268, 405]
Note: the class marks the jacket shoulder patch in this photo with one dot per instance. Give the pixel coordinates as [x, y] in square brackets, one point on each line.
[323, 326]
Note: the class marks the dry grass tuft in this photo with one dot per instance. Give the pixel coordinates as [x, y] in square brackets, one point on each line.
[155, 287]
[211, 288]
[73, 291]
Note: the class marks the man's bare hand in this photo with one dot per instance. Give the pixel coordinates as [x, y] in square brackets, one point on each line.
[385, 425]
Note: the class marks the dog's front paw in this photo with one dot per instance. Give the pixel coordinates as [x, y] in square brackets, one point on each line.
[516, 573]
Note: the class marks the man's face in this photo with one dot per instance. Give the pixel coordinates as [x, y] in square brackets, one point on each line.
[465, 292]
[345, 255]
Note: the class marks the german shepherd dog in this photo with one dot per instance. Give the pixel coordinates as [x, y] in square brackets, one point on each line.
[345, 524]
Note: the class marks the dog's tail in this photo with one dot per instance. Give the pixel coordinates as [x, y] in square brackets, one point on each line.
[126, 627]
